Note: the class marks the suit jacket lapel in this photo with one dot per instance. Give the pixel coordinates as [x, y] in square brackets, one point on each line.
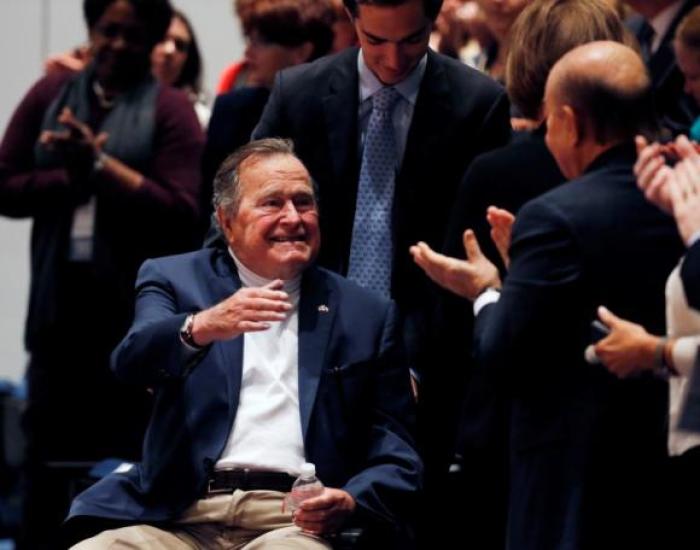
[431, 111]
[340, 106]
[222, 284]
[317, 310]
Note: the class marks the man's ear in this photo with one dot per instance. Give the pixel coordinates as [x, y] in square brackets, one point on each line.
[302, 53]
[225, 221]
[571, 123]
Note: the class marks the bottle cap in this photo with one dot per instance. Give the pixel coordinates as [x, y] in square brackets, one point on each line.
[308, 469]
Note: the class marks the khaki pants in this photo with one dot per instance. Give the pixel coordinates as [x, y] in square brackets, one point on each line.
[249, 520]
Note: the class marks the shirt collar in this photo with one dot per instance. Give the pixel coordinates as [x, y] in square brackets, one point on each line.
[408, 87]
[662, 21]
[251, 279]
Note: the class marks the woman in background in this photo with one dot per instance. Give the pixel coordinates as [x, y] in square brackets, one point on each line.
[106, 163]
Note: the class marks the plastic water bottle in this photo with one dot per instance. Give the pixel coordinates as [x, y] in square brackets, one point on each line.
[306, 486]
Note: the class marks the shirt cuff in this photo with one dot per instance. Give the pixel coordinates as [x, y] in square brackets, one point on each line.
[695, 237]
[489, 296]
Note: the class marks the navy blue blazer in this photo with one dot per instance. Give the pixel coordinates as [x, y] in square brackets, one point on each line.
[586, 446]
[354, 396]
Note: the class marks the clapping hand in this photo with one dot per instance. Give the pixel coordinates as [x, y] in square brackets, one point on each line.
[466, 278]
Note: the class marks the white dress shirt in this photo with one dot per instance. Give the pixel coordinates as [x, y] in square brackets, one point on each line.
[267, 434]
[683, 323]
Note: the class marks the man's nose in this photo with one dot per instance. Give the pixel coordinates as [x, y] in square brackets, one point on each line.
[393, 56]
[169, 46]
[290, 214]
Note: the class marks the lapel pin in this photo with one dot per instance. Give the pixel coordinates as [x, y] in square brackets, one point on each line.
[323, 308]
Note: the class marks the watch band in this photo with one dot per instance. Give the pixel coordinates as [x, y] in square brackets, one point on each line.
[186, 332]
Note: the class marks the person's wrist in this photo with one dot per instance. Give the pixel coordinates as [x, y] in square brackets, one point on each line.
[99, 160]
[187, 334]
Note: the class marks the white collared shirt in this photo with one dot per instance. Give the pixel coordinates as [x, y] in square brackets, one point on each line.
[661, 23]
[402, 116]
[267, 433]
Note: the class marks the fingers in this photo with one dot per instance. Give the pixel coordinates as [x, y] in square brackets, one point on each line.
[471, 245]
[433, 263]
[685, 148]
[607, 317]
[641, 142]
[101, 140]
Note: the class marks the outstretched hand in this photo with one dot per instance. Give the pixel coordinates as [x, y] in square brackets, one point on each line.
[247, 310]
[466, 278]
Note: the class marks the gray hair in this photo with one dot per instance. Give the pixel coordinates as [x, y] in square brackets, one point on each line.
[227, 188]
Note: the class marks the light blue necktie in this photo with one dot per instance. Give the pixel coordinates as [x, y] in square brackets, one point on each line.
[372, 247]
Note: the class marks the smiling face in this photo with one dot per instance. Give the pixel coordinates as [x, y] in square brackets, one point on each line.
[393, 38]
[274, 229]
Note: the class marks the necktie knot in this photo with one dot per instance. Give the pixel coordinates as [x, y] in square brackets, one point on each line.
[385, 99]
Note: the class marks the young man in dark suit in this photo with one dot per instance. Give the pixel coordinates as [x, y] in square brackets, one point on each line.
[444, 115]
[585, 447]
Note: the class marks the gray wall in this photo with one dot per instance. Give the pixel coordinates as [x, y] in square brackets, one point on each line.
[30, 29]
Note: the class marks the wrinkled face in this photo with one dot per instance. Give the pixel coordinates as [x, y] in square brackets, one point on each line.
[689, 63]
[264, 59]
[393, 38]
[120, 45]
[170, 55]
[501, 14]
[275, 230]
[560, 140]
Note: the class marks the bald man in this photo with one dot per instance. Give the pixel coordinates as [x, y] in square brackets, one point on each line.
[585, 446]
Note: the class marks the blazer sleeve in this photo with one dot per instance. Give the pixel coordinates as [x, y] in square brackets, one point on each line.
[389, 486]
[152, 353]
[540, 301]
[690, 275]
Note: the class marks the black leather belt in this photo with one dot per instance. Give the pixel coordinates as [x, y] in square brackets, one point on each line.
[227, 481]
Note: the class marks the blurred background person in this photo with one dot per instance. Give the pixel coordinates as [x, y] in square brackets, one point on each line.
[344, 35]
[236, 73]
[176, 61]
[686, 46]
[280, 33]
[499, 16]
[654, 25]
[106, 162]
